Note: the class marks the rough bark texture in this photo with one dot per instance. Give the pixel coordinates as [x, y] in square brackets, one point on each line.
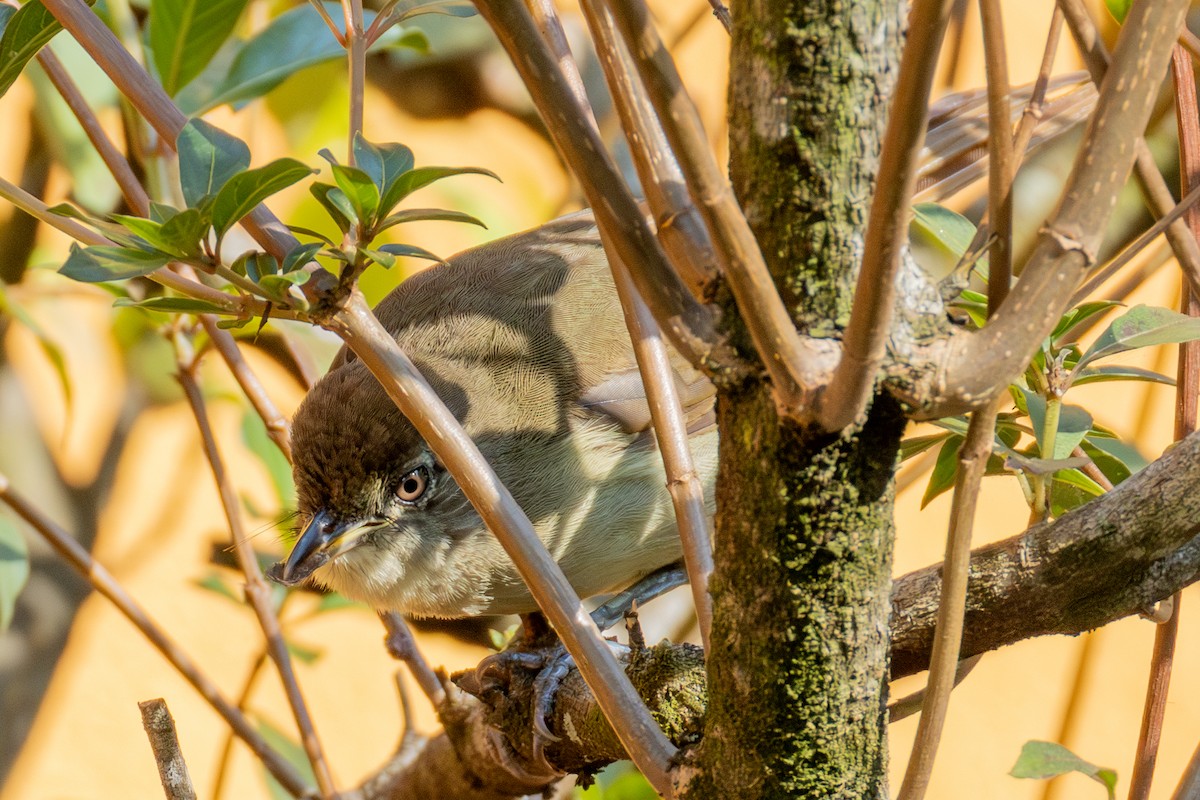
[798, 670]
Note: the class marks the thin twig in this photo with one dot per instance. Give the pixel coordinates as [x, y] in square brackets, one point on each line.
[670, 428]
[782, 351]
[257, 592]
[689, 324]
[1187, 387]
[677, 221]
[721, 12]
[1001, 160]
[276, 423]
[117, 166]
[1154, 187]
[1134, 248]
[356, 62]
[910, 704]
[654, 365]
[103, 581]
[643, 739]
[982, 363]
[403, 647]
[222, 770]
[943, 663]
[849, 389]
[164, 741]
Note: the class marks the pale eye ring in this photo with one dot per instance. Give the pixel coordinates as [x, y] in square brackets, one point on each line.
[413, 485]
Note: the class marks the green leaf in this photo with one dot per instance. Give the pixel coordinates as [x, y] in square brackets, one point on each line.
[385, 254]
[26, 31]
[1111, 464]
[254, 435]
[299, 256]
[179, 236]
[1041, 760]
[184, 35]
[182, 305]
[1118, 8]
[310, 232]
[336, 204]
[1119, 373]
[303, 653]
[359, 189]
[292, 753]
[919, 444]
[245, 190]
[1041, 466]
[945, 469]
[939, 237]
[14, 569]
[1078, 314]
[421, 177]
[1076, 478]
[280, 284]
[383, 163]
[105, 263]
[214, 583]
[1074, 423]
[295, 39]
[208, 157]
[427, 214]
[1142, 326]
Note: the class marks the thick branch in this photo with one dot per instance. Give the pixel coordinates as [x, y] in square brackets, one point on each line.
[887, 229]
[1111, 558]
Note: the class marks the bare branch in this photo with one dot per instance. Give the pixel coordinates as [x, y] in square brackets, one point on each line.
[983, 363]
[403, 647]
[678, 225]
[257, 592]
[1154, 188]
[790, 363]
[103, 581]
[689, 325]
[172, 769]
[654, 366]
[1113, 557]
[850, 387]
[943, 661]
[1187, 385]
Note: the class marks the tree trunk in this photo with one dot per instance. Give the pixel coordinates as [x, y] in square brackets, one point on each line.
[798, 669]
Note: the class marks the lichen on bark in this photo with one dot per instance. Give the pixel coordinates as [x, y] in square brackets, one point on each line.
[798, 668]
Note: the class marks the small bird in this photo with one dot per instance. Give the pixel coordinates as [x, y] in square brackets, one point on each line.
[524, 340]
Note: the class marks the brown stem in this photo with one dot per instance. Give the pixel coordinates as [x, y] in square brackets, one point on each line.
[981, 364]
[654, 366]
[677, 222]
[1154, 187]
[103, 581]
[403, 647]
[784, 354]
[1187, 384]
[689, 324]
[164, 741]
[257, 592]
[356, 61]
[1001, 156]
[943, 661]
[852, 383]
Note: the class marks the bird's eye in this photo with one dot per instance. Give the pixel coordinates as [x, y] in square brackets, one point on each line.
[413, 485]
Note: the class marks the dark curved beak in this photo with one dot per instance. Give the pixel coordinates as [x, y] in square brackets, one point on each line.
[322, 539]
